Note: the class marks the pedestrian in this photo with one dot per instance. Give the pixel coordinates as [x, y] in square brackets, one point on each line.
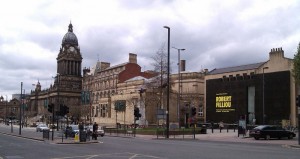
[221, 125]
[95, 130]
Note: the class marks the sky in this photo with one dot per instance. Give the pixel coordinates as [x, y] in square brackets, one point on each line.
[214, 34]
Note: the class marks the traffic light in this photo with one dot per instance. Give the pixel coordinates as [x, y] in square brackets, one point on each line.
[137, 114]
[66, 109]
[50, 107]
[193, 111]
[61, 110]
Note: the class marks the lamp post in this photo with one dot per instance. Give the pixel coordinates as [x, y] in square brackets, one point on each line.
[264, 94]
[6, 111]
[179, 84]
[168, 84]
[20, 111]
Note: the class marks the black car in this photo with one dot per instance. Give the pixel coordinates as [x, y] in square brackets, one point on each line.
[270, 131]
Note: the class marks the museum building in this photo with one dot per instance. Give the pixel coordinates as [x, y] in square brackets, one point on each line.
[261, 93]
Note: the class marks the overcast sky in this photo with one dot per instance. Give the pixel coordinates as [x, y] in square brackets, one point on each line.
[215, 34]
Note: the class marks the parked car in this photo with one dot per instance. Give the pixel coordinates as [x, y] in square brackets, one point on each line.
[270, 131]
[42, 127]
[100, 131]
[71, 130]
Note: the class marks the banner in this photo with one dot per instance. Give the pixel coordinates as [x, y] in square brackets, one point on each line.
[224, 103]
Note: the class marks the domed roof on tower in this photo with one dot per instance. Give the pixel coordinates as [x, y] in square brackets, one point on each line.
[70, 37]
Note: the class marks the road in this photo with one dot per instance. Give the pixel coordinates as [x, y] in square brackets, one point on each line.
[12, 147]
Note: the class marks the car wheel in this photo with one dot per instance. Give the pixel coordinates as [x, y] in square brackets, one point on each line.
[256, 138]
[290, 136]
[267, 137]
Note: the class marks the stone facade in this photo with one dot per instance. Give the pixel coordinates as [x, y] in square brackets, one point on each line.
[9, 109]
[105, 85]
[66, 89]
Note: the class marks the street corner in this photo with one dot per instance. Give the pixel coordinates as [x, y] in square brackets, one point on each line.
[292, 146]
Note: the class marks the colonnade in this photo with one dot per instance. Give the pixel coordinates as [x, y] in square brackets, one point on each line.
[68, 67]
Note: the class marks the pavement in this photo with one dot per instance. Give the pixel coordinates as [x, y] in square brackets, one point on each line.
[30, 133]
[216, 135]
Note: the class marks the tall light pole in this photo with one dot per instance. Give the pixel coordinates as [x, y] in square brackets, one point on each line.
[6, 111]
[20, 111]
[168, 84]
[179, 84]
[264, 94]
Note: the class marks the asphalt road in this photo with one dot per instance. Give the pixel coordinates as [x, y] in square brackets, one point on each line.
[12, 147]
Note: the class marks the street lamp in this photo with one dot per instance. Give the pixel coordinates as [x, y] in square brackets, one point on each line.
[264, 94]
[6, 111]
[179, 78]
[168, 84]
[20, 111]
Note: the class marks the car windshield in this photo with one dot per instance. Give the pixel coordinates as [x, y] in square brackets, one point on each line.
[259, 127]
[42, 125]
[74, 127]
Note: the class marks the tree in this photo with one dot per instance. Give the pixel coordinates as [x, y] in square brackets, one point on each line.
[296, 69]
[160, 64]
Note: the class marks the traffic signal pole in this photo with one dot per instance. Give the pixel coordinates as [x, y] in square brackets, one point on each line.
[52, 121]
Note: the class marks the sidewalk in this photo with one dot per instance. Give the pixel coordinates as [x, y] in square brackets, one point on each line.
[30, 133]
[224, 136]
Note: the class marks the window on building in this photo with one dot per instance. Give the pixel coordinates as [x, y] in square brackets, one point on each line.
[103, 110]
[200, 112]
[97, 111]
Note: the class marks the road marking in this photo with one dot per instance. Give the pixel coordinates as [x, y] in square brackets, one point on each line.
[123, 155]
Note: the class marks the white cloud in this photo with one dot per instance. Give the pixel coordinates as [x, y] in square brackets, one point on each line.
[214, 33]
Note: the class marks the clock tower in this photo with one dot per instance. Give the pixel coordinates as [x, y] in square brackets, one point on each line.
[69, 79]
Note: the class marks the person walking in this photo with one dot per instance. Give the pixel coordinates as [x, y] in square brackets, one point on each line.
[95, 130]
[221, 126]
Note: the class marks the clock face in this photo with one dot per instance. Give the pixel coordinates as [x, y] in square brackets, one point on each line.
[72, 49]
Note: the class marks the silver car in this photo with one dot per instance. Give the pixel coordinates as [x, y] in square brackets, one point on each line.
[100, 131]
[42, 127]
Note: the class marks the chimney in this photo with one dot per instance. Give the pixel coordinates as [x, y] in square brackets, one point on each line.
[206, 71]
[132, 58]
[182, 65]
[276, 53]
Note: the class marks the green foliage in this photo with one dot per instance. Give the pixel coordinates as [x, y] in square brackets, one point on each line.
[296, 70]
